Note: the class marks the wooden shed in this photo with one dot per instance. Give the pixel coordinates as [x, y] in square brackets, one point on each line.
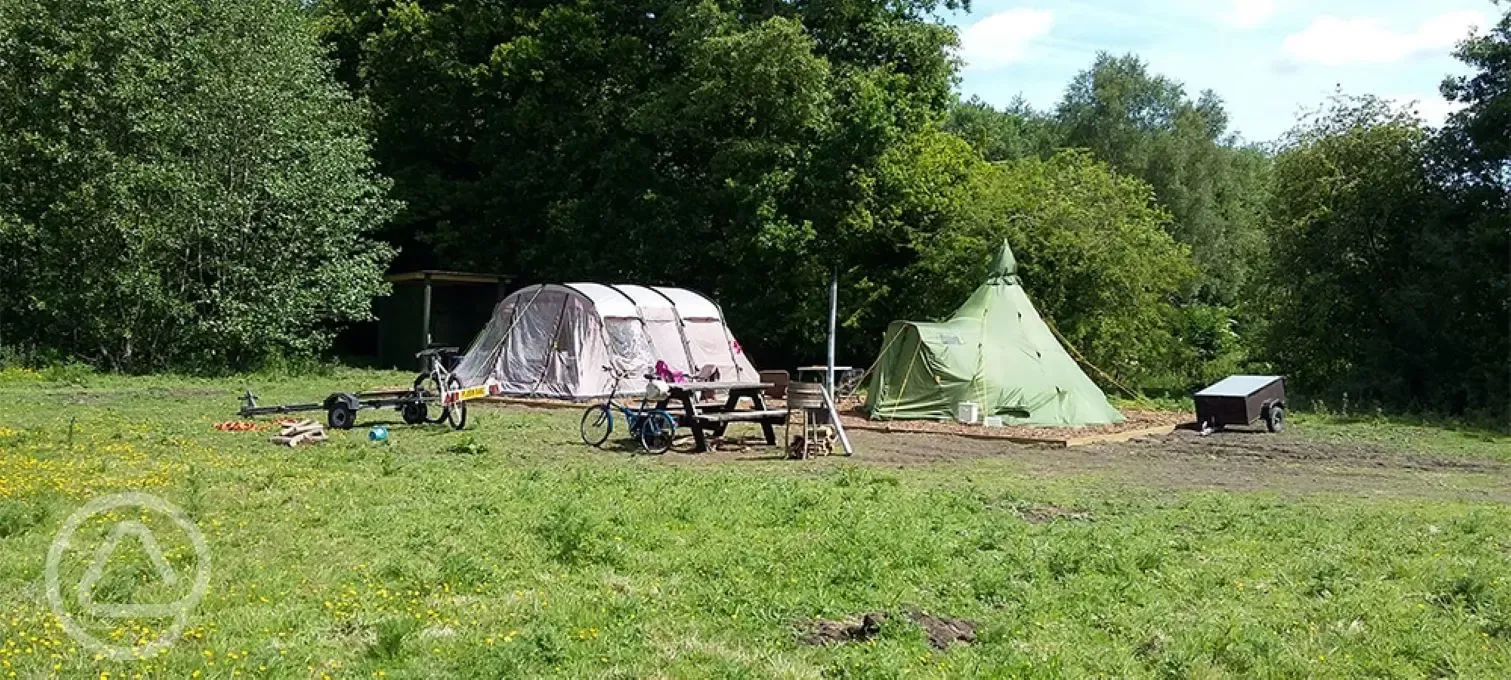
[433, 307]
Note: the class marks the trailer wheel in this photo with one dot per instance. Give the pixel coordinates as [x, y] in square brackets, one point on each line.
[1274, 419]
[340, 416]
[415, 413]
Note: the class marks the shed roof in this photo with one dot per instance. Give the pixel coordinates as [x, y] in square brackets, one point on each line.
[443, 276]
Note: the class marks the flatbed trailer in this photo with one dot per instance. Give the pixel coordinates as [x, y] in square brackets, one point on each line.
[433, 387]
[341, 407]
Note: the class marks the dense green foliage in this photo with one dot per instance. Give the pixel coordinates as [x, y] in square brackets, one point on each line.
[211, 199]
[183, 185]
[715, 145]
[1389, 275]
[1144, 125]
[1354, 207]
[1093, 252]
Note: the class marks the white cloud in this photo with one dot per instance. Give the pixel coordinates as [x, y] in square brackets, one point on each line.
[1003, 38]
[1433, 109]
[1330, 41]
[1250, 13]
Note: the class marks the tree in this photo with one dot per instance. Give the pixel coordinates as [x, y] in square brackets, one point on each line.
[1476, 135]
[1093, 253]
[1472, 162]
[185, 185]
[1390, 279]
[1367, 295]
[1017, 131]
[1144, 125]
[685, 142]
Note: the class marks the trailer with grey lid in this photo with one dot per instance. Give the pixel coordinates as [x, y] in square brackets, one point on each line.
[1242, 400]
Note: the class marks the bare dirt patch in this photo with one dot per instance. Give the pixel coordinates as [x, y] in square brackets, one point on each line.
[1293, 462]
[942, 631]
[857, 628]
[1043, 514]
[1136, 420]
[1233, 459]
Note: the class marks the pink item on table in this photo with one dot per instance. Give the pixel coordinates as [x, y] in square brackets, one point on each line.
[666, 373]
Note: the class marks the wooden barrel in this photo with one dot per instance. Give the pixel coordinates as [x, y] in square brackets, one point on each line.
[805, 395]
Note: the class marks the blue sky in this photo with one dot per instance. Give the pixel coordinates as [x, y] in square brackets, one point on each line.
[1268, 59]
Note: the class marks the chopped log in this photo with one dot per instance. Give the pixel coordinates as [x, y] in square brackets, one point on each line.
[301, 428]
[292, 437]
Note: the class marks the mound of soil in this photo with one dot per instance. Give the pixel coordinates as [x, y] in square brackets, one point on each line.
[941, 631]
[850, 629]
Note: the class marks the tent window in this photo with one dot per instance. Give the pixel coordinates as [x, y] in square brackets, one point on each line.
[625, 340]
[950, 340]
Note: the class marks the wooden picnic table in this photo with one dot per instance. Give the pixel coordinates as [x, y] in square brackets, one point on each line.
[705, 419]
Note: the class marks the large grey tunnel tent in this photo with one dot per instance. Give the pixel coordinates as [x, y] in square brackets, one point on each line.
[554, 340]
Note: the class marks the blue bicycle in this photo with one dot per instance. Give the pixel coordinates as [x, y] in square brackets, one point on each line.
[654, 428]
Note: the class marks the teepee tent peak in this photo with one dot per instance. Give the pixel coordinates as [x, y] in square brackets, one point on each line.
[1004, 264]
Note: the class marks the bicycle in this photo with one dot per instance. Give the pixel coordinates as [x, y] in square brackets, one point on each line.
[436, 384]
[654, 428]
[431, 384]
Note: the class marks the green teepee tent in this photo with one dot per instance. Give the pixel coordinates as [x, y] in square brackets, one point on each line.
[994, 351]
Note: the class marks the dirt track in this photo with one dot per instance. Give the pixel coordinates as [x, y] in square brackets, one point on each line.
[1236, 460]
[1233, 460]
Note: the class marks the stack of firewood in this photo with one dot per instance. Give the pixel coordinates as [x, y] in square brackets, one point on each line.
[824, 443]
[300, 432]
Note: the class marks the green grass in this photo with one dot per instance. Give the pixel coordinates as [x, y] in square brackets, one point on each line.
[1403, 433]
[511, 550]
[1409, 434]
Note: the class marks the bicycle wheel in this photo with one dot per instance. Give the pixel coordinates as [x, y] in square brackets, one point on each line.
[457, 413]
[426, 386]
[597, 423]
[657, 430]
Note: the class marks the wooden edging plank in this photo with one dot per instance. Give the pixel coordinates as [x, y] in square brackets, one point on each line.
[1054, 442]
[1121, 436]
[536, 403]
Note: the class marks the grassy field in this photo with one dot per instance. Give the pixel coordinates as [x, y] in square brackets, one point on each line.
[511, 550]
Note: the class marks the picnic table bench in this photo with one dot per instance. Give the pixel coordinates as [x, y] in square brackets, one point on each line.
[706, 419]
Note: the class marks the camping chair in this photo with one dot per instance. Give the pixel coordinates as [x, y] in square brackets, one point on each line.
[708, 373]
[779, 381]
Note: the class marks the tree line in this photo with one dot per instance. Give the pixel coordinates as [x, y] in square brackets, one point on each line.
[212, 184]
